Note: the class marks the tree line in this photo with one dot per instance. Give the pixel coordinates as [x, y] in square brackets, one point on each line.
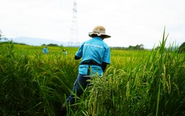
[181, 48]
[137, 47]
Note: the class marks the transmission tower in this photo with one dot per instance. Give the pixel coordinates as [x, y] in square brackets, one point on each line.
[73, 37]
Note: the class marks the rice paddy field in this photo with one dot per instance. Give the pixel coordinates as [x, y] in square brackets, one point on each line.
[136, 83]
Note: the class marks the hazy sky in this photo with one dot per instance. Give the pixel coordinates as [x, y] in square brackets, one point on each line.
[129, 22]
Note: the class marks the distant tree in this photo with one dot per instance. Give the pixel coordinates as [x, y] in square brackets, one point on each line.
[141, 46]
[137, 47]
[19, 43]
[118, 48]
[182, 48]
[43, 45]
[51, 44]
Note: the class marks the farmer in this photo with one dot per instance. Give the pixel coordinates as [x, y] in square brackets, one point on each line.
[45, 50]
[64, 52]
[95, 56]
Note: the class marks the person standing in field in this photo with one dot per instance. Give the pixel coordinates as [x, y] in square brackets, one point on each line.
[94, 55]
[45, 50]
[64, 52]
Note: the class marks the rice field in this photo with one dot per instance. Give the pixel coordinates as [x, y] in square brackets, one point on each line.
[136, 83]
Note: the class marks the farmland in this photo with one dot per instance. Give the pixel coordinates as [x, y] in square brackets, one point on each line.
[142, 83]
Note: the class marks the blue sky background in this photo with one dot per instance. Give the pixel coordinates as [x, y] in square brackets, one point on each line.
[129, 22]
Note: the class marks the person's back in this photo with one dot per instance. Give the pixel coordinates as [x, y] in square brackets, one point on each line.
[94, 52]
[94, 49]
[45, 50]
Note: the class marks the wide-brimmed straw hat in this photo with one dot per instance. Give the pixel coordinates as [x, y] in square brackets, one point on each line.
[99, 31]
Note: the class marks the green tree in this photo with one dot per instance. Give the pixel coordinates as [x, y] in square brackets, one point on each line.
[182, 48]
[51, 44]
[137, 47]
[44, 45]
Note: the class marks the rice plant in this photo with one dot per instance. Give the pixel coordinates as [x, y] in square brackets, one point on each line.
[137, 83]
[154, 86]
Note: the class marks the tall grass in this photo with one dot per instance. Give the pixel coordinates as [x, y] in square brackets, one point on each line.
[136, 83]
[33, 84]
[154, 86]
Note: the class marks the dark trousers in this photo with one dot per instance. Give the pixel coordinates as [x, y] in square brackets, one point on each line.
[78, 88]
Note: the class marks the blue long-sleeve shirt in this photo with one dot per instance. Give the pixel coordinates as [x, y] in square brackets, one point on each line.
[45, 50]
[94, 49]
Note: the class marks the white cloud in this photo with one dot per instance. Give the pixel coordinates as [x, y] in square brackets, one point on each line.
[129, 22]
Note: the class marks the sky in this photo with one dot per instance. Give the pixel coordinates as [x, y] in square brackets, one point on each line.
[129, 22]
